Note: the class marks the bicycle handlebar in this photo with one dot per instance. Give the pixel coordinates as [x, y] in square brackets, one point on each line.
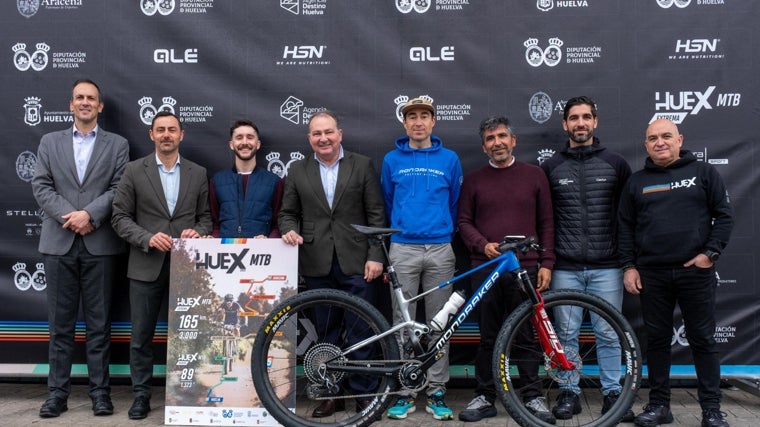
[520, 243]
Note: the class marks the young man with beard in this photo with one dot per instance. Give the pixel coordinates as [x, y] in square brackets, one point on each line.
[245, 198]
[586, 180]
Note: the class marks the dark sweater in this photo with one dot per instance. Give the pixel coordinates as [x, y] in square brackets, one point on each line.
[510, 201]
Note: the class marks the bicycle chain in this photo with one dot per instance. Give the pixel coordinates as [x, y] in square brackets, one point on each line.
[364, 362]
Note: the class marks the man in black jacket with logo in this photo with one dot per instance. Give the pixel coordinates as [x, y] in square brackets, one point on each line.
[675, 219]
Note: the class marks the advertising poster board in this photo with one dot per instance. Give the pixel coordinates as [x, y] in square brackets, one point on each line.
[208, 368]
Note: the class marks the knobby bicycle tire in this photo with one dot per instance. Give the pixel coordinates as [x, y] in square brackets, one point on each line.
[290, 349]
[517, 344]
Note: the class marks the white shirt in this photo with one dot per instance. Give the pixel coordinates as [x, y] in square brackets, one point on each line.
[170, 182]
[83, 145]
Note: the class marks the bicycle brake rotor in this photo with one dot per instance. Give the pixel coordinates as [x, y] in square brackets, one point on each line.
[559, 375]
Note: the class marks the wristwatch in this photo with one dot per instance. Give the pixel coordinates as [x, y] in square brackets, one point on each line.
[713, 256]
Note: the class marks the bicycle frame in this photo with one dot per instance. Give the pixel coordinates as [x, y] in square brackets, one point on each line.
[506, 263]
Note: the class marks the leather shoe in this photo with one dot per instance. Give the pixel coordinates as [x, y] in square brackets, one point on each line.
[53, 407]
[101, 405]
[568, 404]
[329, 407]
[140, 408]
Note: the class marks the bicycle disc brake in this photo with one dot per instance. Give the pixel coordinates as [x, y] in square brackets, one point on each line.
[322, 380]
[563, 376]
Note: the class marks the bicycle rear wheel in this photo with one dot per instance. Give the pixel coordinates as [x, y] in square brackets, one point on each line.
[517, 345]
[299, 351]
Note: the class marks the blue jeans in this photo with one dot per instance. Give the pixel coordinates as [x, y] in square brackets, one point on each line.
[606, 283]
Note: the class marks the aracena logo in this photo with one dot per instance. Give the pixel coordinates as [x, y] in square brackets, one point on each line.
[32, 110]
[27, 8]
[26, 162]
[23, 60]
[148, 111]
[536, 56]
[163, 7]
[278, 166]
[540, 107]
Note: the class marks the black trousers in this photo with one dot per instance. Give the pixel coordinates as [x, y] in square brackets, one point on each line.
[694, 290]
[145, 300]
[497, 304]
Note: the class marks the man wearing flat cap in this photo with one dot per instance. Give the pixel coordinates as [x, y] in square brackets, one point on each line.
[421, 181]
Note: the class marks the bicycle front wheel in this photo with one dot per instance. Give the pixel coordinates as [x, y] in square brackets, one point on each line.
[299, 360]
[606, 351]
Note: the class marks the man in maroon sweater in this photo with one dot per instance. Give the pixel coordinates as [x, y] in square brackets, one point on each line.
[505, 197]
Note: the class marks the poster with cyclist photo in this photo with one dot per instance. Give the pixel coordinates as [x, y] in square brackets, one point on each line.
[220, 291]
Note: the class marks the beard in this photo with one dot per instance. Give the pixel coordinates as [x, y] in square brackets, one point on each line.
[581, 139]
[245, 157]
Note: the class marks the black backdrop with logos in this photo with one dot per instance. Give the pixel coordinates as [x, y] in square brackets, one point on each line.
[278, 61]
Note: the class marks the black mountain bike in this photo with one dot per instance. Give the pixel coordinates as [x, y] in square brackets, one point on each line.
[296, 365]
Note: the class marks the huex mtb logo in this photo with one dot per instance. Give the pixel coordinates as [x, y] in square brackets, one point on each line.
[304, 7]
[676, 106]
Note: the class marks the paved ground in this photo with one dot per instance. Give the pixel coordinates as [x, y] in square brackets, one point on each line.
[20, 403]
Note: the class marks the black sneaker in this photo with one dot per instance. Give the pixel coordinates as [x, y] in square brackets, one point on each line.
[609, 400]
[653, 416]
[478, 409]
[568, 404]
[713, 418]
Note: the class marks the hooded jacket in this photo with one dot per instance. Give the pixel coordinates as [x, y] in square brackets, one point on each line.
[421, 190]
[668, 215]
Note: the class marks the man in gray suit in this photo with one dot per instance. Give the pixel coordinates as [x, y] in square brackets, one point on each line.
[76, 174]
[160, 197]
[325, 194]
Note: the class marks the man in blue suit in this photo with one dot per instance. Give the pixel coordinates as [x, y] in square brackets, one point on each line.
[76, 174]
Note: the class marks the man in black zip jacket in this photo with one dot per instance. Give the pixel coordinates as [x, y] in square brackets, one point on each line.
[674, 221]
[586, 180]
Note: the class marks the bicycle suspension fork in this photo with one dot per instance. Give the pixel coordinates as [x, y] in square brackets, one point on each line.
[547, 336]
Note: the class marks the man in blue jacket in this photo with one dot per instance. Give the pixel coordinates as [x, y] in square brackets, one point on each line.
[245, 198]
[421, 181]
